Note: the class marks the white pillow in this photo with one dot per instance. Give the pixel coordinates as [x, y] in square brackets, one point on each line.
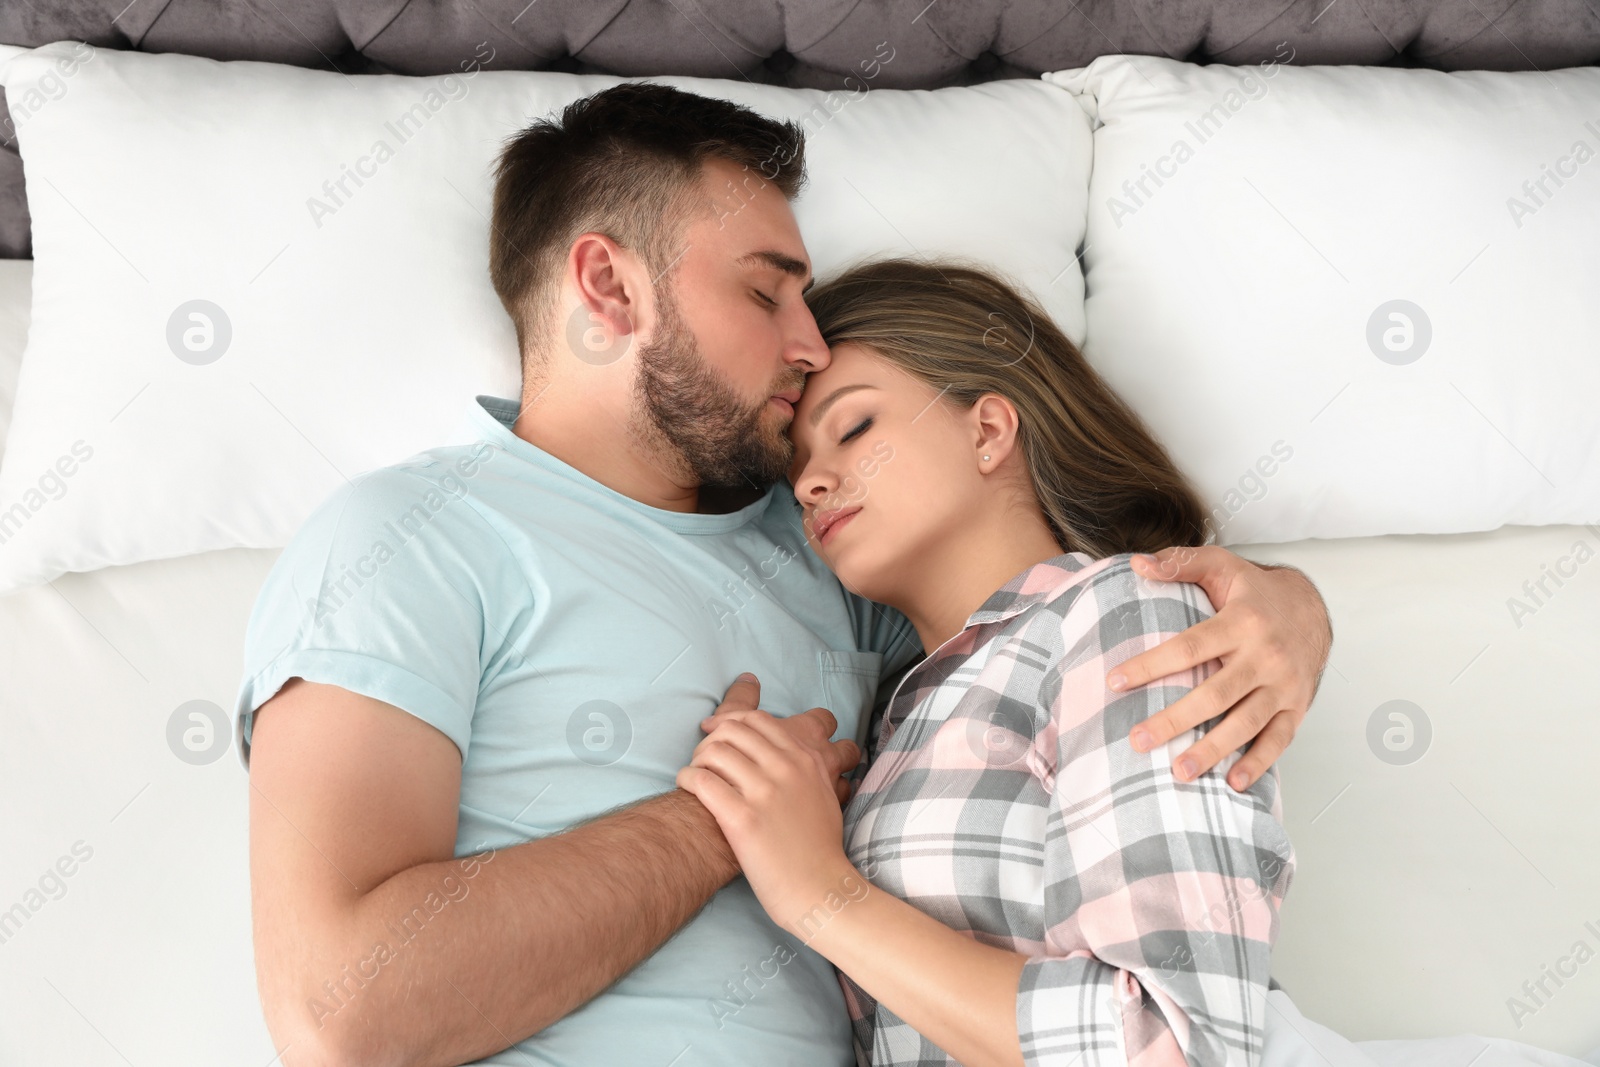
[1260, 240]
[15, 286]
[358, 335]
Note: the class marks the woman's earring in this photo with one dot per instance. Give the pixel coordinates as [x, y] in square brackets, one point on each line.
[986, 459]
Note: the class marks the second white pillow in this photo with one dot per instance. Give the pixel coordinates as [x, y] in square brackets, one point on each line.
[1352, 300]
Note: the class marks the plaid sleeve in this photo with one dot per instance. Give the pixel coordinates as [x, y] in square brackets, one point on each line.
[1161, 898]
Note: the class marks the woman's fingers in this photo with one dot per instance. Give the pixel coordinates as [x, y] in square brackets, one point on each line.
[731, 755]
[745, 736]
[763, 722]
[777, 763]
[712, 790]
[813, 726]
[808, 731]
[765, 740]
[1241, 724]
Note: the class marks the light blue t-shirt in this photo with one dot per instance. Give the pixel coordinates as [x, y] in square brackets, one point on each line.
[569, 640]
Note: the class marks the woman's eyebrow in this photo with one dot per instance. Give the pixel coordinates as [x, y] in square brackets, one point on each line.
[827, 401]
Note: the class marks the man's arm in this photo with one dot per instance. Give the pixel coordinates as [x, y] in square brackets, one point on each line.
[375, 946]
[1272, 634]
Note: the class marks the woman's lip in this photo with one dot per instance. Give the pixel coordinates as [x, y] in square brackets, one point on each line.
[783, 404]
[835, 524]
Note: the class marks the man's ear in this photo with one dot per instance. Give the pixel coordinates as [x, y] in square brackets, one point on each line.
[602, 293]
[603, 276]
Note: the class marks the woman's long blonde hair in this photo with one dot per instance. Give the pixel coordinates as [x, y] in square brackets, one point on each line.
[1103, 481]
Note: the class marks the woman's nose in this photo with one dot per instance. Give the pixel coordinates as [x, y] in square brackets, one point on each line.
[814, 486]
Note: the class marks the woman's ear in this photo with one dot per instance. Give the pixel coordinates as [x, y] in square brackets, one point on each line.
[994, 426]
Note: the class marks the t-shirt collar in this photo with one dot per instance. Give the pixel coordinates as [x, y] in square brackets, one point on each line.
[495, 416]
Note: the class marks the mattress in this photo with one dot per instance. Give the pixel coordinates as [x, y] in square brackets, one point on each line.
[1443, 882]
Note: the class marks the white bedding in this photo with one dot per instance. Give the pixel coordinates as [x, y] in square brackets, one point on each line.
[241, 380]
[1426, 894]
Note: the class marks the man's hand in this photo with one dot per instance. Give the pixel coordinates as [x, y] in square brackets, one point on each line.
[1272, 634]
[811, 729]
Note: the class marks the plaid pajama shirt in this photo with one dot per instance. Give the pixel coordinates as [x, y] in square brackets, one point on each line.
[1005, 801]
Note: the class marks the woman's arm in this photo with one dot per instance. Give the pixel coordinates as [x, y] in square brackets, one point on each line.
[1160, 896]
[958, 993]
[785, 826]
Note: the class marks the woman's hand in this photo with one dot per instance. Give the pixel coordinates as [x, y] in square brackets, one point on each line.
[778, 804]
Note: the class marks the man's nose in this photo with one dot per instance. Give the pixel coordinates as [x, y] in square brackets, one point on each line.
[805, 346]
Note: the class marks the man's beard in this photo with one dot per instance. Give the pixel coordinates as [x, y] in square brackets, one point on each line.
[725, 441]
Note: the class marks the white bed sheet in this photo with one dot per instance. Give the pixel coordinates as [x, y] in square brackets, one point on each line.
[1425, 896]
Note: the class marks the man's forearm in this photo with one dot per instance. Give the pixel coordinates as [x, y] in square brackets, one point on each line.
[539, 929]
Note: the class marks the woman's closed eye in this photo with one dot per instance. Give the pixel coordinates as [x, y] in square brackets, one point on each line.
[861, 429]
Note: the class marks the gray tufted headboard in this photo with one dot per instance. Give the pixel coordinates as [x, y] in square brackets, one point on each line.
[802, 43]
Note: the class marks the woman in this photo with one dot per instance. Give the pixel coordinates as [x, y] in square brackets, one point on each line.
[1049, 895]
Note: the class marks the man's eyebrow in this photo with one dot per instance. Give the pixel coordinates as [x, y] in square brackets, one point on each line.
[768, 257]
[827, 402]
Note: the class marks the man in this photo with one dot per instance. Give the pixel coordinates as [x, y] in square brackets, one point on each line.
[473, 676]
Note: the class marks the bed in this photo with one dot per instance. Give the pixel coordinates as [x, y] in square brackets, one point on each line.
[1441, 793]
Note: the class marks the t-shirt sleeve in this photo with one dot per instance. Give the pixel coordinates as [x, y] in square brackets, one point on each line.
[1161, 897]
[381, 592]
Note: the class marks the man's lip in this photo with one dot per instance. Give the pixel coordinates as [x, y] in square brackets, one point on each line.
[783, 404]
[791, 395]
[831, 519]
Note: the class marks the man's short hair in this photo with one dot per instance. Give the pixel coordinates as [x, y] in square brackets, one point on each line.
[624, 162]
